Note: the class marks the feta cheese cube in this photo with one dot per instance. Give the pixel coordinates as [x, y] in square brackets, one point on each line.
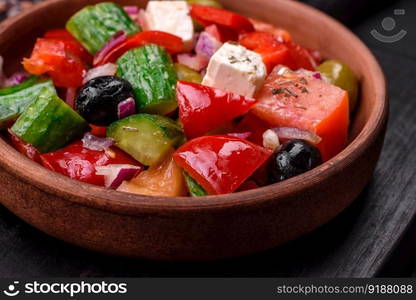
[171, 17]
[233, 68]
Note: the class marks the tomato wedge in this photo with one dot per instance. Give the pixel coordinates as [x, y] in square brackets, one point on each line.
[203, 108]
[62, 58]
[222, 33]
[79, 163]
[59, 34]
[278, 51]
[299, 100]
[172, 43]
[207, 15]
[220, 163]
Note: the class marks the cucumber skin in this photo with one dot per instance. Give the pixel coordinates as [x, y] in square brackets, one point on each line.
[195, 190]
[150, 71]
[94, 25]
[167, 134]
[49, 123]
[15, 99]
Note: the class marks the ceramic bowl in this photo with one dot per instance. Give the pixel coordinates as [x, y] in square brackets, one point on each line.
[209, 227]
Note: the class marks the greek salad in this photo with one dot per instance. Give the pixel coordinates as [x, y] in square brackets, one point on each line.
[182, 98]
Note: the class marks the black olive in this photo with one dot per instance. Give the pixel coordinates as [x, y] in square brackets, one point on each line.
[293, 158]
[98, 99]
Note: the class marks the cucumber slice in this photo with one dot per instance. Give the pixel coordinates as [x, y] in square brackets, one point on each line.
[147, 138]
[150, 71]
[49, 123]
[15, 99]
[194, 188]
[94, 25]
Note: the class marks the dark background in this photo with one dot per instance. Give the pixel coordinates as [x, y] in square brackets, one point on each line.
[376, 236]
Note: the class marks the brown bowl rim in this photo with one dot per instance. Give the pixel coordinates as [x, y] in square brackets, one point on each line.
[132, 204]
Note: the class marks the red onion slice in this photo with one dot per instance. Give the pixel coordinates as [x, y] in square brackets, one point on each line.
[317, 75]
[116, 40]
[126, 108]
[15, 79]
[2, 77]
[96, 143]
[196, 62]
[70, 95]
[104, 70]
[115, 174]
[207, 45]
[288, 133]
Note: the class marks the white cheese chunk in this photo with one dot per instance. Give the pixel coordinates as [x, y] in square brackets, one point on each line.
[233, 68]
[171, 17]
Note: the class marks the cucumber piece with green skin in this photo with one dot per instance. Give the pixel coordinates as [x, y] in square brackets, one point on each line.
[15, 99]
[147, 138]
[49, 123]
[150, 71]
[94, 25]
[194, 188]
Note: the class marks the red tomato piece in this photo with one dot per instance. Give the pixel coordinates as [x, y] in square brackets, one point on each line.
[203, 108]
[207, 15]
[222, 33]
[302, 101]
[79, 163]
[220, 163]
[253, 124]
[247, 185]
[277, 51]
[64, 60]
[172, 43]
[59, 34]
[26, 149]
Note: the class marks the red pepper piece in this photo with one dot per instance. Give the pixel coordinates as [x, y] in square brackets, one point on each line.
[79, 163]
[220, 163]
[203, 108]
[207, 15]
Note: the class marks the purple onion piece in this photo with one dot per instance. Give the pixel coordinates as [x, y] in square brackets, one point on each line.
[241, 135]
[115, 174]
[104, 70]
[317, 75]
[290, 133]
[115, 40]
[15, 79]
[96, 143]
[207, 45]
[196, 62]
[126, 108]
[131, 10]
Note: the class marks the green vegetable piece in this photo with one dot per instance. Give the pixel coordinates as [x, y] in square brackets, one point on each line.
[213, 3]
[187, 74]
[194, 188]
[49, 123]
[150, 71]
[342, 76]
[94, 25]
[15, 99]
[147, 138]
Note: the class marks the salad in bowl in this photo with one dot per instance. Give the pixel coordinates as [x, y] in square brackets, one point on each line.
[180, 98]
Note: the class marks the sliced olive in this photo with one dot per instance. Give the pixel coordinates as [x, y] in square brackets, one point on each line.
[187, 74]
[342, 76]
[98, 99]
